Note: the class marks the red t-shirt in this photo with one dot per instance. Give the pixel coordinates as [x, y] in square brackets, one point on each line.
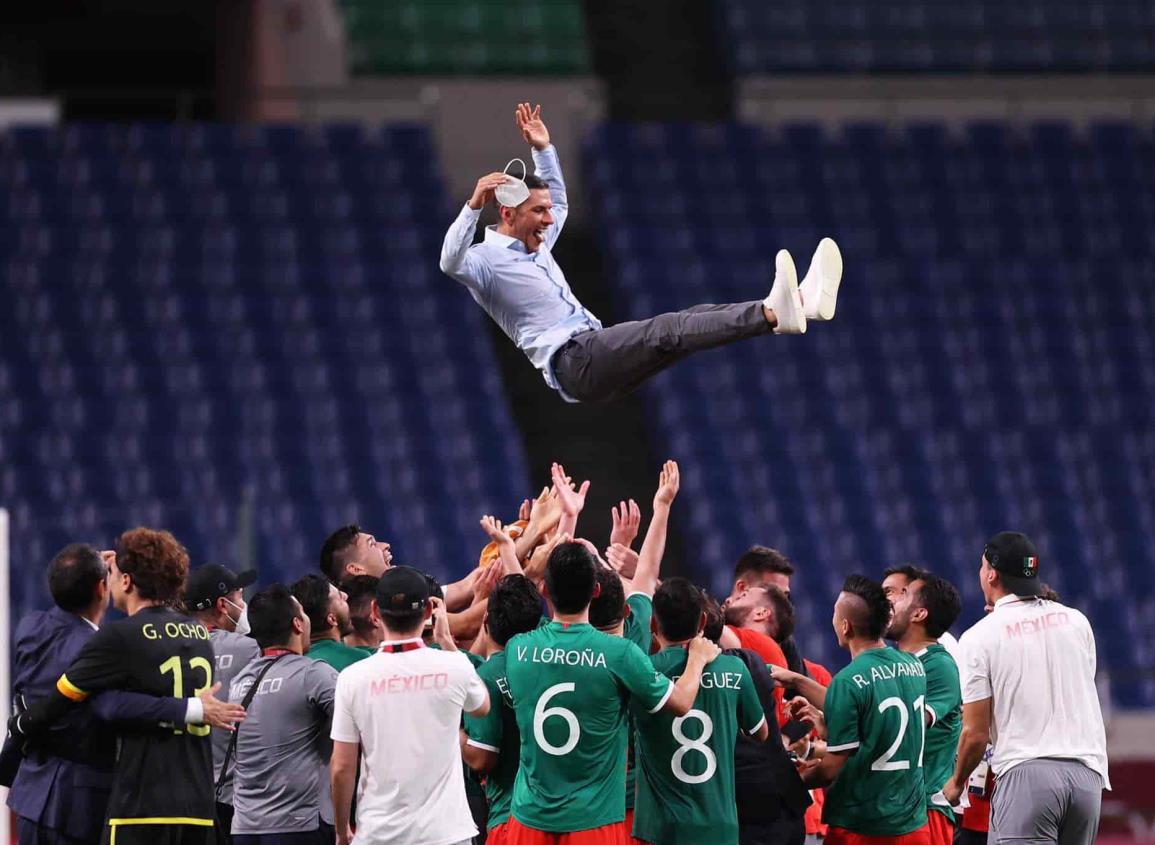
[818, 672]
[771, 654]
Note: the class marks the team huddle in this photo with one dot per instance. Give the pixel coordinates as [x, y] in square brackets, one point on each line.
[557, 695]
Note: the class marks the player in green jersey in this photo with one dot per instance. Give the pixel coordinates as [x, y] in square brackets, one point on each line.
[928, 606]
[686, 763]
[493, 743]
[570, 685]
[875, 725]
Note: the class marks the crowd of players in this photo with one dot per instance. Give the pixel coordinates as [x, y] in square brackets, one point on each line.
[560, 694]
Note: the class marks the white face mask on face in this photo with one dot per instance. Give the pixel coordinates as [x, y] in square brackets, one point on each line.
[242, 620]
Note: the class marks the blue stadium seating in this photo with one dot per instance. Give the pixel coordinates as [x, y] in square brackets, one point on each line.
[991, 365]
[847, 36]
[194, 310]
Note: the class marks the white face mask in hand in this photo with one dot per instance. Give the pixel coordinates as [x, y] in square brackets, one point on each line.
[514, 192]
[242, 621]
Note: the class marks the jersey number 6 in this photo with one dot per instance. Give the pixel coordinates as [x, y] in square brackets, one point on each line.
[541, 712]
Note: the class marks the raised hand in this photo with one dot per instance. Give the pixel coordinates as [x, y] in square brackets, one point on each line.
[531, 125]
[627, 519]
[483, 193]
[523, 513]
[535, 566]
[622, 559]
[572, 501]
[544, 513]
[220, 714]
[441, 633]
[506, 550]
[668, 485]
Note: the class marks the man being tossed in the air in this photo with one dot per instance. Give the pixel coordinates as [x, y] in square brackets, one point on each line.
[513, 276]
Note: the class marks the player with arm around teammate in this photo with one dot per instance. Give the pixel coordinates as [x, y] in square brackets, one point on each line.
[570, 686]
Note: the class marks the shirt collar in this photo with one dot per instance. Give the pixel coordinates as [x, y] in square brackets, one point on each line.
[90, 623]
[495, 237]
[1008, 600]
[386, 643]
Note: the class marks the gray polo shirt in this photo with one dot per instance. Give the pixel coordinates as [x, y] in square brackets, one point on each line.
[232, 652]
[283, 746]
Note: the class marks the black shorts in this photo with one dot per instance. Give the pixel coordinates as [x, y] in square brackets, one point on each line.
[159, 834]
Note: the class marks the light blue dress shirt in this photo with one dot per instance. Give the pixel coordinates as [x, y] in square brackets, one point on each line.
[525, 293]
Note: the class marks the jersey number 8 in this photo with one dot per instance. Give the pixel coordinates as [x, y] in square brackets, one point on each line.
[686, 745]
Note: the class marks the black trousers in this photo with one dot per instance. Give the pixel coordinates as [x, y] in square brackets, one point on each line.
[597, 366]
[159, 834]
[963, 836]
[788, 829]
[29, 832]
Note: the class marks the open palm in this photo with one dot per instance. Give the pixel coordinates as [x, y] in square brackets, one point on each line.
[532, 127]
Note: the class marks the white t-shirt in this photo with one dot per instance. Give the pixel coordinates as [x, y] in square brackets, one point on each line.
[1036, 660]
[948, 641]
[405, 709]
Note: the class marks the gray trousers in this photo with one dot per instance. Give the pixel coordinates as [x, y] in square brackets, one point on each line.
[1046, 800]
[606, 364]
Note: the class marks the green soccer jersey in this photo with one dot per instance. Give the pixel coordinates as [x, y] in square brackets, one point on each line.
[944, 704]
[570, 685]
[686, 763]
[497, 732]
[636, 630]
[875, 711]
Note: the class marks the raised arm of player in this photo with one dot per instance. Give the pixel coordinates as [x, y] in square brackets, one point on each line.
[506, 547]
[654, 546]
[456, 261]
[572, 501]
[546, 165]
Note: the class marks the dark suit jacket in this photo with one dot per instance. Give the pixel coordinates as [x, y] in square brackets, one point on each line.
[64, 780]
[765, 779]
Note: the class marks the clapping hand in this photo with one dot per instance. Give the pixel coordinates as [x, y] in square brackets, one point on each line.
[572, 501]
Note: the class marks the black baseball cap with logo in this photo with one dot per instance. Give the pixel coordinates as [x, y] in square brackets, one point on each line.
[401, 590]
[210, 582]
[1015, 558]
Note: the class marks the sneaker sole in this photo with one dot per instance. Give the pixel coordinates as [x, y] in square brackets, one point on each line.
[828, 264]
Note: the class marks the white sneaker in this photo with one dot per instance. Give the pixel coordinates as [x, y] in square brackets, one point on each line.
[820, 287]
[785, 300]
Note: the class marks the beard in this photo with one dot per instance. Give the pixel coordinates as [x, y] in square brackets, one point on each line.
[736, 616]
[897, 627]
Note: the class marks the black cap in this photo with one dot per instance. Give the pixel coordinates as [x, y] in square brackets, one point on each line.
[208, 583]
[402, 589]
[1015, 558]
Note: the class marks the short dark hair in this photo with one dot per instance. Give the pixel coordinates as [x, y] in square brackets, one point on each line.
[73, 576]
[361, 590]
[875, 618]
[764, 561]
[569, 577]
[535, 182]
[514, 608]
[715, 618]
[334, 548]
[271, 615]
[1047, 593]
[941, 601]
[678, 609]
[783, 612]
[156, 562]
[907, 570]
[312, 591]
[608, 607]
